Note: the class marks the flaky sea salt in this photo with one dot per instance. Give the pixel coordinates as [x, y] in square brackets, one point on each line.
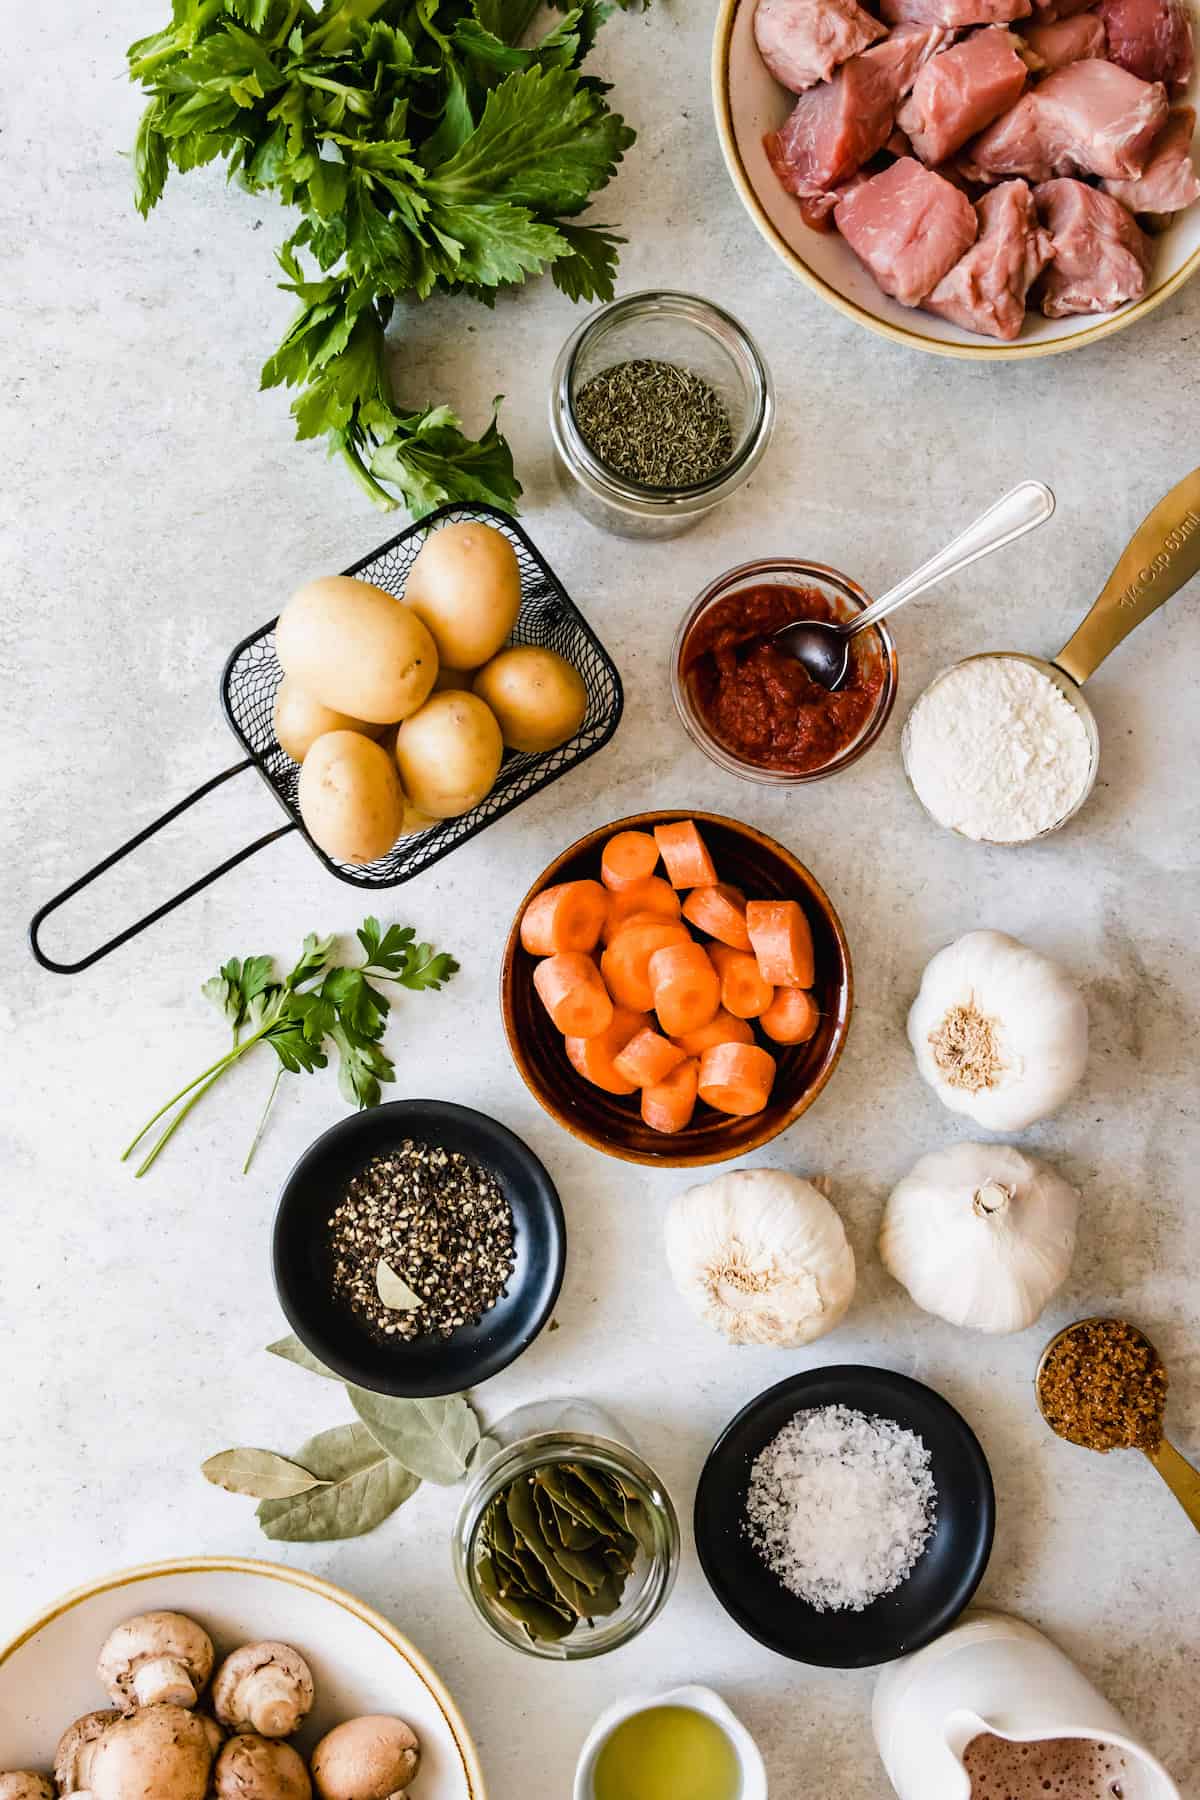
[840, 1506]
[995, 751]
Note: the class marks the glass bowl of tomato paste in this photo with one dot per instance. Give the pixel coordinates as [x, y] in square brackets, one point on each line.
[753, 709]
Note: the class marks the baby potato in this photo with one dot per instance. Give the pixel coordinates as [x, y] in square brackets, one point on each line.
[300, 720]
[414, 821]
[351, 800]
[539, 700]
[356, 649]
[466, 587]
[449, 754]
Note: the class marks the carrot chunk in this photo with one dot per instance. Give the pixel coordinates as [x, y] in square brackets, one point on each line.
[792, 1017]
[629, 857]
[736, 1078]
[625, 964]
[669, 1105]
[648, 1059]
[593, 1057]
[719, 910]
[744, 993]
[782, 942]
[685, 986]
[653, 895]
[683, 851]
[724, 1029]
[570, 988]
[567, 917]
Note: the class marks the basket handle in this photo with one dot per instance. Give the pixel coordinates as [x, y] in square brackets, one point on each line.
[123, 937]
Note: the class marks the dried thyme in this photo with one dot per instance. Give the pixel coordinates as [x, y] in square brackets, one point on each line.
[443, 1228]
[655, 423]
[1103, 1385]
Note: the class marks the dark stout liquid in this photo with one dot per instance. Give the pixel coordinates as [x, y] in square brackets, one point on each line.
[1054, 1769]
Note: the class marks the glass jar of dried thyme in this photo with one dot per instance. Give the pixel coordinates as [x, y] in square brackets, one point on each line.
[567, 1543]
[660, 408]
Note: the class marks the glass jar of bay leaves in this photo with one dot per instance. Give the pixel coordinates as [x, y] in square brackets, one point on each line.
[566, 1543]
[661, 406]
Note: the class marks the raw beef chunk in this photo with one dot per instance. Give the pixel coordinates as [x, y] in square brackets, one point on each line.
[960, 91]
[803, 41]
[835, 128]
[1101, 258]
[1169, 182]
[909, 227]
[1063, 41]
[954, 15]
[1089, 118]
[1150, 38]
[985, 290]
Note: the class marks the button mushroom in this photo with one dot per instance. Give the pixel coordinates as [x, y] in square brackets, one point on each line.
[24, 1784]
[267, 1688]
[372, 1758]
[157, 1659]
[213, 1732]
[157, 1753]
[76, 1746]
[251, 1767]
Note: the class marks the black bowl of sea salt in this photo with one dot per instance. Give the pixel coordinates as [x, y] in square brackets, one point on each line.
[522, 1211]
[845, 1517]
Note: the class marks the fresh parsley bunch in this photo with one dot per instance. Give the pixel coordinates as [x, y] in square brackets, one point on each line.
[427, 150]
[318, 1000]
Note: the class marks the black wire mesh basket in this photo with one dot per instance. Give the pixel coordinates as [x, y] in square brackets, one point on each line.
[548, 617]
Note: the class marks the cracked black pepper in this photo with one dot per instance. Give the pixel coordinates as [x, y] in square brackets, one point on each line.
[440, 1222]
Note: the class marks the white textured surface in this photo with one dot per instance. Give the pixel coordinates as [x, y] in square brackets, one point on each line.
[154, 509]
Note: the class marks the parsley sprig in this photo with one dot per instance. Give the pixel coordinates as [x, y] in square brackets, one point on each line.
[428, 150]
[319, 1001]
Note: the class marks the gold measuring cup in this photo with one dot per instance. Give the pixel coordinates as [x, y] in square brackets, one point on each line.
[1178, 1473]
[1161, 557]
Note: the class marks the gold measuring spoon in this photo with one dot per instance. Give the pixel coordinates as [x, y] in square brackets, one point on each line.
[1179, 1475]
[1161, 557]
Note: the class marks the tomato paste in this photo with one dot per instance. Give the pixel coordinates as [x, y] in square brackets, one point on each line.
[758, 702]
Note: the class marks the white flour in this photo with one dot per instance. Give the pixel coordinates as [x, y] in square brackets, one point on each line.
[995, 751]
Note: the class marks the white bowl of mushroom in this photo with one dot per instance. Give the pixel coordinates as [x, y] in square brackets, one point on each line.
[227, 1678]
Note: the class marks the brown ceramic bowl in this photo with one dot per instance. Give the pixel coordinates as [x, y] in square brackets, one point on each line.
[609, 1122]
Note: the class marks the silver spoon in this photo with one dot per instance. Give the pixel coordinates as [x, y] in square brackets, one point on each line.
[824, 650]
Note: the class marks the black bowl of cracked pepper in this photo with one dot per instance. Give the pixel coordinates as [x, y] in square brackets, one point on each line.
[419, 1248]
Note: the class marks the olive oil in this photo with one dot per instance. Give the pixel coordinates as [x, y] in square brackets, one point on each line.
[667, 1753]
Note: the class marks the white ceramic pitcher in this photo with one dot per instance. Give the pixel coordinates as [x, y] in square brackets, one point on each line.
[997, 1674]
[700, 1699]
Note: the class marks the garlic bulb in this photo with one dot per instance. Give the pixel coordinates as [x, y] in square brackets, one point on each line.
[999, 1032]
[761, 1256]
[981, 1234]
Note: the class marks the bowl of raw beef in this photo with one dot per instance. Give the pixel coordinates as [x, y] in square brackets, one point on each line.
[977, 178]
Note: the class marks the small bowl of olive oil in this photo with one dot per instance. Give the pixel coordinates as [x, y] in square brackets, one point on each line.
[657, 1747]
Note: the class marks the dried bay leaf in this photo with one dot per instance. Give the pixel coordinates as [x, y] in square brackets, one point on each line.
[260, 1473]
[434, 1438]
[292, 1350]
[394, 1291]
[581, 1501]
[364, 1486]
[485, 1449]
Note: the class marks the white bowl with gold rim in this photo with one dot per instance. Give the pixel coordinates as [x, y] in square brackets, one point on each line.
[749, 102]
[360, 1662]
